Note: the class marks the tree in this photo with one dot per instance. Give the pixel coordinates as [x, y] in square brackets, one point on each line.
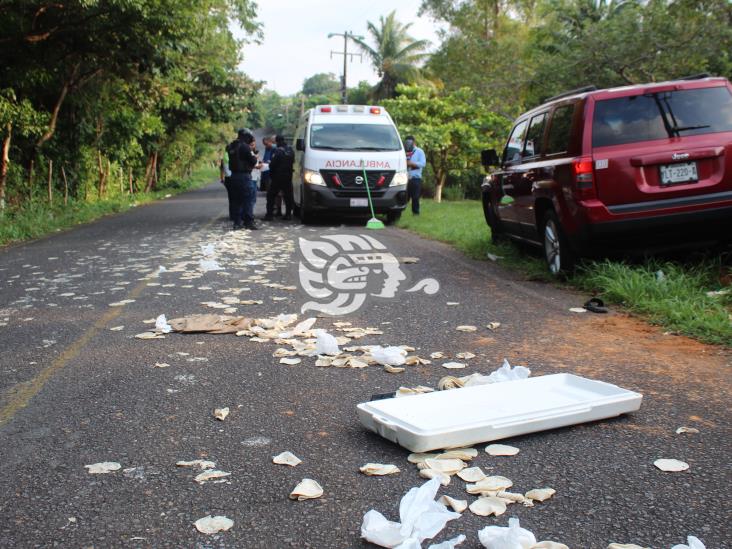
[321, 84]
[395, 55]
[452, 128]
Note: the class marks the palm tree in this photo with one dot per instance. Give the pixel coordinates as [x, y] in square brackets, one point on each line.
[395, 55]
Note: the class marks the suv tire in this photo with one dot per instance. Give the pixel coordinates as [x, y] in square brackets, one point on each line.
[393, 217]
[558, 253]
[497, 234]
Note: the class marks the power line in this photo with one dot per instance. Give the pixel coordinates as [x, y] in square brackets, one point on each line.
[346, 35]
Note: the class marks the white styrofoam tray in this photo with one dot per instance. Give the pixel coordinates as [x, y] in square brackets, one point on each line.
[467, 416]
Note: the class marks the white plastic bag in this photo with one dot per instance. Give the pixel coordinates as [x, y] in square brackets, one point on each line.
[208, 250]
[391, 356]
[421, 518]
[512, 537]
[326, 344]
[692, 542]
[162, 326]
[504, 373]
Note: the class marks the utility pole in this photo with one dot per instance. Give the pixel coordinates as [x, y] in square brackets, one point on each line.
[346, 35]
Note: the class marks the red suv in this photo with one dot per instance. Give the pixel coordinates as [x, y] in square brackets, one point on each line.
[593, 170]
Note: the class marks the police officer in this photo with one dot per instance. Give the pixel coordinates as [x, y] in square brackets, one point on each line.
[280, 169]
[242, 160]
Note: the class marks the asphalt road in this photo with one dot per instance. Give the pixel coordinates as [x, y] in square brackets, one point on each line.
[74, 392]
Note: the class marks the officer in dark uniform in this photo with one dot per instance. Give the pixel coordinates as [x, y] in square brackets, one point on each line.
[242, 160]
[280, 169]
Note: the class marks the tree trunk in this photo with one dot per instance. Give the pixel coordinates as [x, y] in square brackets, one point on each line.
[152, 176]
[57, 107]
[440, 181]
[4, 164]
[66, 186]
[146, 179]
[50, 182]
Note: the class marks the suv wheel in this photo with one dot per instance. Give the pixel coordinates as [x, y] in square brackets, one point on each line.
[557, 251]
[393, 217]
[497, 234]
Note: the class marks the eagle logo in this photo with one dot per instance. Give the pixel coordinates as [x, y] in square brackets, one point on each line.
[340, 272]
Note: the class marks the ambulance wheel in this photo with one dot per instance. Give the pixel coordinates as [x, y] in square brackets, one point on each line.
[393, 217]
[306, 216]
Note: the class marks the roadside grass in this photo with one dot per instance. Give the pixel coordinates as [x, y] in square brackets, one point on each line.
[38, 219]
[676, 299]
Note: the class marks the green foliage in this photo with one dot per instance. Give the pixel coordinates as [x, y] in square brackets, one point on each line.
[452, 127]
[321, 84]
[395, 55]
[121, 84]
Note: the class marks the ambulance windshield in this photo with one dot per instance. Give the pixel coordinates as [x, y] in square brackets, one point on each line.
[354, 137]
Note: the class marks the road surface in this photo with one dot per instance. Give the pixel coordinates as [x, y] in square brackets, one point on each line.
[77, 388]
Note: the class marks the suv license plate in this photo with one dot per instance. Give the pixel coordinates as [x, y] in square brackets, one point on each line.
[359, 202]
[679, 173]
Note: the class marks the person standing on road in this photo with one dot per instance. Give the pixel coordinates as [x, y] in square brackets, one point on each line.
[269, 148]
[281, 178]
[242, 160]
[225, 174]
[416, 161]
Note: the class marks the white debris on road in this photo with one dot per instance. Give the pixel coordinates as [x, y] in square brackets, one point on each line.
[103, 467]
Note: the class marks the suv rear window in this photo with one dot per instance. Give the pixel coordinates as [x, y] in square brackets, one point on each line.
[661, 115]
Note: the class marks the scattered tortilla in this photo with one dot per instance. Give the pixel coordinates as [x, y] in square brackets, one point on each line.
[549, 545]
[149, 335]
[493, 325]
[452, 303]
[625, 546]
[221, 413]
[489, 484]
[466, 328]
[458, 505]
[290, 361]
[287, 458]
[671, 465]
[472, 474]
[409, 260]
[578, 310]
[501, 450]
[431, 473]
[420, 457]
[447, 466]
[212, 474]
[690, 430]
[103, 467]
[200, 463]
[379, 469]
[213, 525]
[121, 303]
[393, 369]
[437, 355]
[161, 365]
[465, 356]
[454, 365]
[540, 494]
[466, 454]
[487, 506]
[116, 328]
[307, 489]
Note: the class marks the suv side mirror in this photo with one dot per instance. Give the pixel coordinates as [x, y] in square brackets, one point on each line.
[300, 144]
[489, 158]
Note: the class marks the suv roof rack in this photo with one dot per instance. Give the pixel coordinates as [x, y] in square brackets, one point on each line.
[696, 76]
[572, 92]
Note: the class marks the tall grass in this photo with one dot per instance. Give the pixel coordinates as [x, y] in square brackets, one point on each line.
[38, 218]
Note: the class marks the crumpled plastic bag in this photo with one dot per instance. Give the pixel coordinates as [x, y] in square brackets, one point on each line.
[388, 356]
[504, 373]
[421, 518]
[326, 344]
[449, 544]
[162, 326]
[208, 250]
[511, 537]
[692, 542]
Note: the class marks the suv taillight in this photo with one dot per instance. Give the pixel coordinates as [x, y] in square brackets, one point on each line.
[584, 184]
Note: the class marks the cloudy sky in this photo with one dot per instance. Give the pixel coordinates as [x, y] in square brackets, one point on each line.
[296, 43]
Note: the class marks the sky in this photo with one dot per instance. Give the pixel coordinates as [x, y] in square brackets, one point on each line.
[296, 43]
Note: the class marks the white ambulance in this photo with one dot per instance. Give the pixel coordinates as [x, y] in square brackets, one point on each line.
[334, 146]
